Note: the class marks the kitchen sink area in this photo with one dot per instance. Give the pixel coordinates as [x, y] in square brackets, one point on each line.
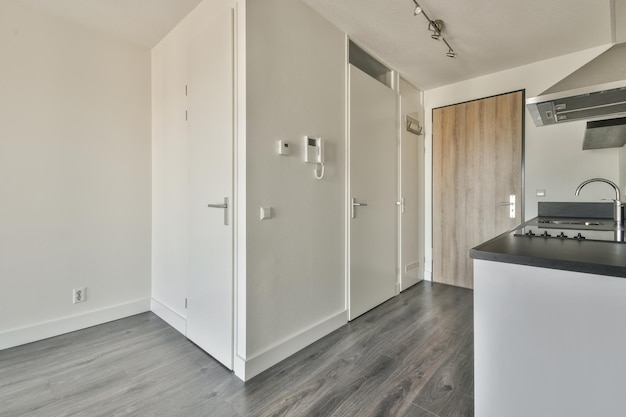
[586, 221]
[570, 236]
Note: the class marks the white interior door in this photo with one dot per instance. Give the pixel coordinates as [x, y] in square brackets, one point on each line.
[372, 244]
[411, 162]
[210, 122]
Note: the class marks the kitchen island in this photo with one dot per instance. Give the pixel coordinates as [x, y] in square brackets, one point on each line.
[550, 326]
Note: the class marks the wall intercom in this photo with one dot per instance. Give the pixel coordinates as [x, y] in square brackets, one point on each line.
[314, 154]
[313, 149]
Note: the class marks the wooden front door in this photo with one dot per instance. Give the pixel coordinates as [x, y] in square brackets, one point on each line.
[477, 167]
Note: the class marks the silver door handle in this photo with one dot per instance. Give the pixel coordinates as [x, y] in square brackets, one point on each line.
[222, 206]
[355, 204]
[510, 204]
[401, 204]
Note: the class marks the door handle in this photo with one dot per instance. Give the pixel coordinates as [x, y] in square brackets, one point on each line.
[401, 204]
[222, 206]
[355, 204]
[510, 204]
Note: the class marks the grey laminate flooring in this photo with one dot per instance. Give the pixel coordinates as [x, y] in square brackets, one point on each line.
[412, 356]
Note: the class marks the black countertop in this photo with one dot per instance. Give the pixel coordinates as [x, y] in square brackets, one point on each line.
[594, 257]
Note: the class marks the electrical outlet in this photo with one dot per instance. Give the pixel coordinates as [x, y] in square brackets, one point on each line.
[79, 295]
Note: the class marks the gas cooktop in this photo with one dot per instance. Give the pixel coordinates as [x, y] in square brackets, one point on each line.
[575, 229]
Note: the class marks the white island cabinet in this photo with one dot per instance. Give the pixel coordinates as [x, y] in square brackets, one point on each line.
[548, 342]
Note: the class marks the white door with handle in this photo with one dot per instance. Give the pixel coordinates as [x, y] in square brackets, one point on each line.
[210, 95]
[372, 244]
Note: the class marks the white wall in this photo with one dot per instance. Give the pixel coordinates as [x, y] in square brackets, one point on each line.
[554, 159]
[74, 176]
[295, 261]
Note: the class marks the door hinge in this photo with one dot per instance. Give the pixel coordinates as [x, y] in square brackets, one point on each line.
[185, 303]
[186, 94]
[186, 115]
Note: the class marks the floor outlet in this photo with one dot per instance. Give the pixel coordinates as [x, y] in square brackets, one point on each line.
[79, 295]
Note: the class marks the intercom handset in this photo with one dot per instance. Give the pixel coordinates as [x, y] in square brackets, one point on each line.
[314, 154]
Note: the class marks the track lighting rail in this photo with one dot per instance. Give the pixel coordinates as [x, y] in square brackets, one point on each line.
[436, 27]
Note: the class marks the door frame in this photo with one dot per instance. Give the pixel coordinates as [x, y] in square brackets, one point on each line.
[405, 137]
[395, 82]
[432, 167]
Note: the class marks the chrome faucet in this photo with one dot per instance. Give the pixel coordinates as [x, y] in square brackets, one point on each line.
[617, 210]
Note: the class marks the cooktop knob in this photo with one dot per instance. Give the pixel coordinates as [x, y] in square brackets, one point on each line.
[562, 235]
[546, 234]
[579, 236]
[530, 233]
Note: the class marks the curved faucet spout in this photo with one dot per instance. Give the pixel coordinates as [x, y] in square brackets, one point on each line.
[617, 212]
[611, 183]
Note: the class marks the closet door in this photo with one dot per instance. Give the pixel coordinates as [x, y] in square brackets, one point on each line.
[373, 190]
[210, 122]
[477, 167]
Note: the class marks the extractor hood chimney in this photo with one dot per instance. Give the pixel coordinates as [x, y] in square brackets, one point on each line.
[595, 91]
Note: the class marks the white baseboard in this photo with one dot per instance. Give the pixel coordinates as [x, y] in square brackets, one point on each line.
[40, 331]
[169, 316]
[247, 368]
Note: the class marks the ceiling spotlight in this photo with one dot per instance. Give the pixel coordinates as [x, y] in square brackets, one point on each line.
[436, 27]
[418, 9]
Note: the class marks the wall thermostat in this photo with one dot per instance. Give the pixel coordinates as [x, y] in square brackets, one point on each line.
[283, 148]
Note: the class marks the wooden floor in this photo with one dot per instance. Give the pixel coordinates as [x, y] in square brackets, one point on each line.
[412, 356]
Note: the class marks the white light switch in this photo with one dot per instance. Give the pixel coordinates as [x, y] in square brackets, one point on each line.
[541, 193]
[265, 213]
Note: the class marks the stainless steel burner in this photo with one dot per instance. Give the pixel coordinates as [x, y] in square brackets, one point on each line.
[614, 235]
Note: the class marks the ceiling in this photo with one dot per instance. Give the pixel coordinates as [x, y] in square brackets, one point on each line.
[488, 35]
[142, 22]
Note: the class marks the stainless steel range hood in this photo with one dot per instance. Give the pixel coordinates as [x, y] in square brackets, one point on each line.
[601, 134]
[595, 91]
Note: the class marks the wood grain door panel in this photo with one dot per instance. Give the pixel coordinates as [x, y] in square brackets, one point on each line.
[477, 165]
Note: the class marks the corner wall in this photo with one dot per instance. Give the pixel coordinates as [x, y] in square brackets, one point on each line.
[295, 285]
[554, 159]
[74, 176]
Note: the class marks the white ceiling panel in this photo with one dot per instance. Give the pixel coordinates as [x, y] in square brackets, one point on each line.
[143, 22]
[488, 35]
